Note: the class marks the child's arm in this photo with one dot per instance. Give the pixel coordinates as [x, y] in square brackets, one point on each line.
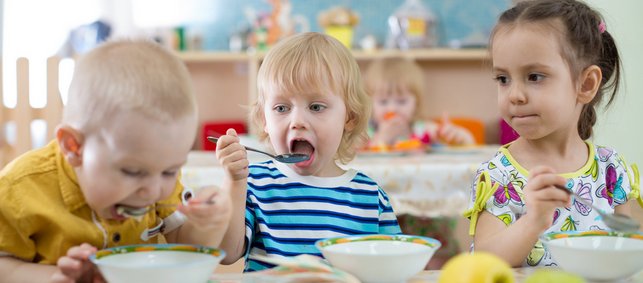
[233, 157]
[73, 267]
[206, 223]
[514, 242]
[15, 270]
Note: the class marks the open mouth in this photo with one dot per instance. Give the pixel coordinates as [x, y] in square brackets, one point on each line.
[301, 146]
[122, 212]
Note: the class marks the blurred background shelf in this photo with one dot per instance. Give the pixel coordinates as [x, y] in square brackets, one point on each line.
[437, 54]
[458, 81]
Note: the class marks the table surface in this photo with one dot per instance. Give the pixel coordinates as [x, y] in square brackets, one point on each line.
[420, 184]
[427, 276]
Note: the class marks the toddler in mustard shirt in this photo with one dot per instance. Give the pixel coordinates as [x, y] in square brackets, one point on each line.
[127, 128]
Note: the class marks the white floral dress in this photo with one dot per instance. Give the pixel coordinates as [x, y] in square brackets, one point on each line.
[605, 180]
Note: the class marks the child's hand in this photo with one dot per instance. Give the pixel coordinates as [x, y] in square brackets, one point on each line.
[391, 129]
[542, 198]
[452, 134]
[76, 267]
[210, 209]
[233, 156]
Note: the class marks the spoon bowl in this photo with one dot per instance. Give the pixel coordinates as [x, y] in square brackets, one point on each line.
[616, 221]
[131, 211]
[283, 158]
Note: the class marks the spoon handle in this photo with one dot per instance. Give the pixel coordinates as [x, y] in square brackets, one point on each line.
[580, 199]
[214, 140]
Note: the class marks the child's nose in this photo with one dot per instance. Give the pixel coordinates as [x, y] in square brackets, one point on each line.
[299, 119]
[517, 94]
[151, 189]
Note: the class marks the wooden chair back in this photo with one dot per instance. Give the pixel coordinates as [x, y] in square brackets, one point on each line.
[24, 114]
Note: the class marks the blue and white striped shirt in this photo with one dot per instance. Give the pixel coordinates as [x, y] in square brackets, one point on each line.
[286, 213]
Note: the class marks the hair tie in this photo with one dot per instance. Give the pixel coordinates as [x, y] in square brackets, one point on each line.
[602, 27]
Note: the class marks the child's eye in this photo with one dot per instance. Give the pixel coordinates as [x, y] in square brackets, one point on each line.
[169, 173]
[281, 108]
[501, 79]
[402, 101]
[132, 172]
[535, 77]
[317, 107]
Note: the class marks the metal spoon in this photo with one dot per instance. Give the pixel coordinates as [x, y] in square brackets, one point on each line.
[284, 158]
[616, 221]
[131, 211]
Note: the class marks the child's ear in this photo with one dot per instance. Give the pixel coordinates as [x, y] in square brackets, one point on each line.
[350, 123]
[590, 81]
[70, 142]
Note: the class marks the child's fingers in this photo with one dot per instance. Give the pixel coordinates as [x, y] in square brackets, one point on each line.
[226, 140]
[81, 252]
[204, 195]
[69, 268]
[447, 133]
[552, 194]
[445, 118]
[545, 180]
[59, 277]
[229, 153]
[231, 132]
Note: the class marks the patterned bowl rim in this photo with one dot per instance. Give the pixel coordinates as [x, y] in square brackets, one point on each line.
[96, 257]
[577, 234]
[421, 240]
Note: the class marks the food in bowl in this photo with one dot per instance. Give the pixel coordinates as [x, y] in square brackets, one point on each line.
[597, 255]
[379, 258]
[158, 263]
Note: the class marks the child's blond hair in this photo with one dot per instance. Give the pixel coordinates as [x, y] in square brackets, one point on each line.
[128, 75]
[314, 61]
[396, 75]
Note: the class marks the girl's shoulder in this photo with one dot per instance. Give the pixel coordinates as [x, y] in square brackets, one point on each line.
[606, 154]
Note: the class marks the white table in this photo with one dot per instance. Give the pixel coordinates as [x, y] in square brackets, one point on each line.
[424, 185]
[426, 276]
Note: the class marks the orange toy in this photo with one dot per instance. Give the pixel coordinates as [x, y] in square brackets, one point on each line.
[411, 144]
[389, 115]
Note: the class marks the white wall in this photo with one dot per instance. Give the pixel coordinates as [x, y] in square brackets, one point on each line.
[621, 126]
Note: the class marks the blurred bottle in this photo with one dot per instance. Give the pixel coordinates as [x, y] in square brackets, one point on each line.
[412, 25]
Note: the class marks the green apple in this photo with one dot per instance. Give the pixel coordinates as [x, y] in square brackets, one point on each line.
[477, 267]
[553, 275]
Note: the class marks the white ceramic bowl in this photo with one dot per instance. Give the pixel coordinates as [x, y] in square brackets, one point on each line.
[379, 258]
[158, 263]
[597, 255]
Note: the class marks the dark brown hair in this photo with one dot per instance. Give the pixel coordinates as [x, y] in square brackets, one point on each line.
[584, 42]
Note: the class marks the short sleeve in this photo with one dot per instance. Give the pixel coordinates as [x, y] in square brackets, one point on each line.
[250, 222]
[621, 183]
[387, 221]
[634, 181]
[482, 190]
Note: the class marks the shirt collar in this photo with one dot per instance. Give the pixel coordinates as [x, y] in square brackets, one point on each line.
[68, 181]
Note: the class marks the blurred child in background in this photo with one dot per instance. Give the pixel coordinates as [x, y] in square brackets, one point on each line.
[396, 87]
